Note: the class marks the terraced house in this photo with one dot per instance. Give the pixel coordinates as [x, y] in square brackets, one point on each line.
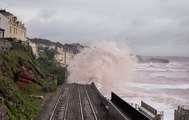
[11, 26]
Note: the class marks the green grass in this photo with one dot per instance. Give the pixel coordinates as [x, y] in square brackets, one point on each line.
[18, 104]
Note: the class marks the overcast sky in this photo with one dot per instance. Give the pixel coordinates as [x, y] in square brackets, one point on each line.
[147, 27]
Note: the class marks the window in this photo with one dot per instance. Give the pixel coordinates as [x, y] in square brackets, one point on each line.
[14, 30]
[1, 34]
[10, 29]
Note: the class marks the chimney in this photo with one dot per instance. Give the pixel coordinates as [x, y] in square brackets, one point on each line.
[2, 10]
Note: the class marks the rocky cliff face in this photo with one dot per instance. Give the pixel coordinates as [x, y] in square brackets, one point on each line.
[20, 76]
[21, 70]
[27, 75]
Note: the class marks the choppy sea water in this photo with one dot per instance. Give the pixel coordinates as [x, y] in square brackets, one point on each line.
[164, 86]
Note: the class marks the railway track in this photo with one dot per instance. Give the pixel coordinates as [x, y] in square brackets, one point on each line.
[86, 104]
[75, 103]
[60, 108]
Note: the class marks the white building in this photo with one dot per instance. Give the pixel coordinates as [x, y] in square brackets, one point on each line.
[34, 47]
[13, 28]
[63, 56]
[68, 57]
[52, 47]
[4, 24]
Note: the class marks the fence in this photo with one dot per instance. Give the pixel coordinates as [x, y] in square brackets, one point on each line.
[150, 112]
[127, 109]
[181, 113]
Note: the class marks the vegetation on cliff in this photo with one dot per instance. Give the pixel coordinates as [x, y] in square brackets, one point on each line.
[55, 71]
[45, 42]
[22, 76]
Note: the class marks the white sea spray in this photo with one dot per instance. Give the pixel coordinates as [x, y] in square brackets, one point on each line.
[103, 63]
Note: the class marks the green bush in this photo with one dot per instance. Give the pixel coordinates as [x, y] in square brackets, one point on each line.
[18, 104]
[52, 68]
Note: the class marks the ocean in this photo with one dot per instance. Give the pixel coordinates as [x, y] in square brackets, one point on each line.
[164, 86]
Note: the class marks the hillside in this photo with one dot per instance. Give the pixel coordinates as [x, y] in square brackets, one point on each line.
[45, 42]
[22, 78]
[74, 47]
[41, 41]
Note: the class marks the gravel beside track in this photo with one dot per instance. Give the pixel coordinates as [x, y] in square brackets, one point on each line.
[48, 106]
[74, 102]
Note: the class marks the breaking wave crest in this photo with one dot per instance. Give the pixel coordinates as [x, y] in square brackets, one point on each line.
[103, 63]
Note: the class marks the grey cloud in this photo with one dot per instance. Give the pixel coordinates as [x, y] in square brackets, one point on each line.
[143, 25]
[46, 13]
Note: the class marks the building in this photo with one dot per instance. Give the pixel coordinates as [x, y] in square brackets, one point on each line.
[34, 47]
[52, 47]
[4, 24]
[59, 57]
[13, 28]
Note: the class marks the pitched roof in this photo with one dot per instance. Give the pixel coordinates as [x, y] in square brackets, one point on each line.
[5, 13]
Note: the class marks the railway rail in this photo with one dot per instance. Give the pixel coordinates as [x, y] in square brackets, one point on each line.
[76, 103]
[84, 102]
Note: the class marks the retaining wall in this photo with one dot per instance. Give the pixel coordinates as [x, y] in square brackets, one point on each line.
[181, 113]
[126, 109]
[150, 112]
